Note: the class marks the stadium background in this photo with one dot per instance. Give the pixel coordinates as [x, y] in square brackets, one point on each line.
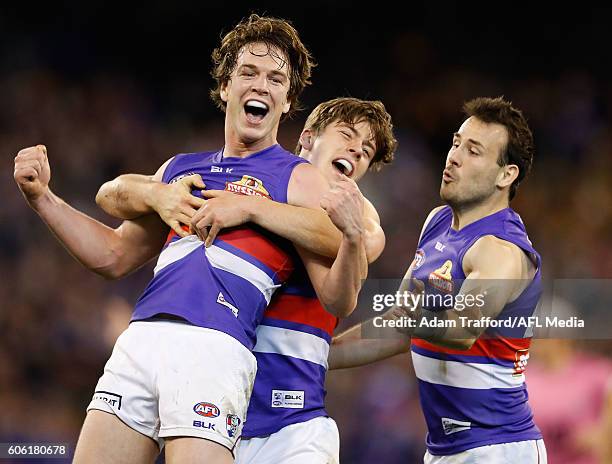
[112, 89]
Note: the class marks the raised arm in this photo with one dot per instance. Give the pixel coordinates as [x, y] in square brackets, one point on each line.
[109, 252]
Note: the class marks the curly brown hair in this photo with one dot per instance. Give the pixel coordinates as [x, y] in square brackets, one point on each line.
[274, 32]
[353, 111]
[520, 148]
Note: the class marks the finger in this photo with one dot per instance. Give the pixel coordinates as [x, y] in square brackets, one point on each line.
[198, 182]
[27, 173]
[27, 151]
[196, 202]
[33, 163]
[202, 229]
[176, 227]
[212, 234]
[42, 149]
[214, 193]
[194, 180]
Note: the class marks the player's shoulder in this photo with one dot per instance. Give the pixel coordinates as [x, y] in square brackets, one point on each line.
[432, 214]
[370, 211]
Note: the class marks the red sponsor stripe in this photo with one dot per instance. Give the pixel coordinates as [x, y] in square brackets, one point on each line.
[260, 248]
[302, 310]
[498, 348]
[173, 234]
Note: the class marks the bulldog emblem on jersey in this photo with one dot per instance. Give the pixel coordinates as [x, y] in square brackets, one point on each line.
[232, 422]
[248, 185]
[419, 259]
[441, 279]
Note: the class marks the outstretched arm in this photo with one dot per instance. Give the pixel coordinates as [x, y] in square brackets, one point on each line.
[109, 252]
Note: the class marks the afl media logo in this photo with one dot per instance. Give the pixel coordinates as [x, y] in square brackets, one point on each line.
[419, 259]
[206, 410]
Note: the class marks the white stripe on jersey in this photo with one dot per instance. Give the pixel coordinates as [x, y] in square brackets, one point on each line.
[292, 343]
[219, 259]
[226, 261]
[177, 250]
[465, 375]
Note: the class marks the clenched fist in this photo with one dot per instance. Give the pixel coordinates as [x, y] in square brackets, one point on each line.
[344, 205]
[32, 172]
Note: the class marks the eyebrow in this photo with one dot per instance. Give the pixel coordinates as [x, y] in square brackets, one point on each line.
[253, 67]
[368, 142]
[472, 141]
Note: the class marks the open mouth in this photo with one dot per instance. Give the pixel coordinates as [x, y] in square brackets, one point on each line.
[344, 166]
[255, 110]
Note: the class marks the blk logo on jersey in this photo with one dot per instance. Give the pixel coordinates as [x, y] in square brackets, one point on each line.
[291, 399]
[206, 410]
[248, 185]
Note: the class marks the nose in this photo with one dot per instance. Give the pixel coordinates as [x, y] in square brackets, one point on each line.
[356, 150]
[260, 85]
[453, 157]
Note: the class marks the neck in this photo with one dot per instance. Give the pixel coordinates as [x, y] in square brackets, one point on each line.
[236, 146]
[464, 215]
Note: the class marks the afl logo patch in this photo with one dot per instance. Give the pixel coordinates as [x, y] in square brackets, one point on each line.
[419, 259]
[206, 410]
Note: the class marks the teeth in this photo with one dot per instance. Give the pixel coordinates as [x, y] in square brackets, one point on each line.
[257, 104]
[348, 167]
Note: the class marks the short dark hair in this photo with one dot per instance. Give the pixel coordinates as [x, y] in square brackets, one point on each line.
[353, 111]
[273, 32]
[520, 148]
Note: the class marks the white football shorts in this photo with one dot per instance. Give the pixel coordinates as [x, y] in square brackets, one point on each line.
[169, 378]
[312, 442]
[523, 452]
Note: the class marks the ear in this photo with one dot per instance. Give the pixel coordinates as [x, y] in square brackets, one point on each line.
[223, 91]
[307, 139]
[286, 107]
[507, 175]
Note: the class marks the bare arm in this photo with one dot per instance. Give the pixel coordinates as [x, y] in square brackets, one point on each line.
[496, 273]
[349, 349]
[337, 284]
[109, 252]
[133, 195]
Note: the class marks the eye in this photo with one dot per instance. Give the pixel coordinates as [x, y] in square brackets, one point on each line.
[346, 134]
[474, 152]
[455, 143]
[367, 152]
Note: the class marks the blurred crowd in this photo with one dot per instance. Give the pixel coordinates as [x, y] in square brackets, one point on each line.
[58, 322]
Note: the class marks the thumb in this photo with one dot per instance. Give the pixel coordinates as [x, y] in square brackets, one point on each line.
[195, 180]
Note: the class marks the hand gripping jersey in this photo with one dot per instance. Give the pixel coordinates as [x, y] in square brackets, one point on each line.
[292, 347]
[476, 397]
[227, 286]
